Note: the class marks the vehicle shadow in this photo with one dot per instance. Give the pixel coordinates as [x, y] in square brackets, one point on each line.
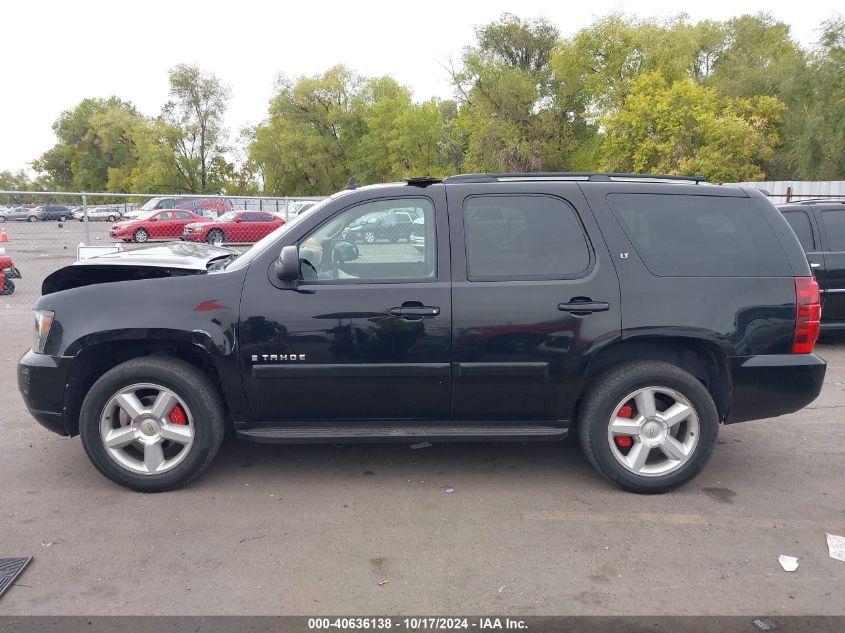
[316, 462]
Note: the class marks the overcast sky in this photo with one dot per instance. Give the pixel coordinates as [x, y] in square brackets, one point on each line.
[55, 53]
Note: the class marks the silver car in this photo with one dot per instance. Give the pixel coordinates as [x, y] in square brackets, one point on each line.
[111, 214]
[19, 214]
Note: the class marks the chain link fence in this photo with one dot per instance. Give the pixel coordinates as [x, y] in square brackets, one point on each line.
[41, 232]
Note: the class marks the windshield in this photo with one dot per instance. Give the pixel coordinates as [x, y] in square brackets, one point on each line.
[150, 204]
[143, 215]
[245, 259]
[228, 216]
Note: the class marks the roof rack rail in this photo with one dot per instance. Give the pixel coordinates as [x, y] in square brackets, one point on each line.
[818, 201]
[570, 175]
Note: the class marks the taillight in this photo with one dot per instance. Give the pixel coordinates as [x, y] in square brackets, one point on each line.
[808, 312]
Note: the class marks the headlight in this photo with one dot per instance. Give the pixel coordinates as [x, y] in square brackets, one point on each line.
[43, 323]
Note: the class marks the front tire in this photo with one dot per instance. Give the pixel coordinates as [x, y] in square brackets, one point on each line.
[33, 218]
[648, 426]
[152, 423]
[8, 287]
[215, 237]
[140, 236]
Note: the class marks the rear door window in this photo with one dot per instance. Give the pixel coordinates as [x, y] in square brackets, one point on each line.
[834, 225]
[700, 236]
[800, 223]
[523, 237]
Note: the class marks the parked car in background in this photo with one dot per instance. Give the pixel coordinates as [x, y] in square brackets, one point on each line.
[155, 225]
[20, 214]
[60, 212]
[820, 227]
[243, 227]
[111, 214]
[392, 225]
[208, 207]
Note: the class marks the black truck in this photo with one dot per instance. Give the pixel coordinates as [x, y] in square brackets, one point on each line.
[820, 227]
[636, 312]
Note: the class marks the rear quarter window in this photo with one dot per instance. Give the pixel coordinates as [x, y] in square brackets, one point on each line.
[700, 236]
[800, 223]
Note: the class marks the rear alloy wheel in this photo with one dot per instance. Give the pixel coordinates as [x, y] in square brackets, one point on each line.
[369, 237]
[648, 426]
[216, 237]
[112, 218]
[62, 218]
[2, 218]
[152, 424]
[140, 236]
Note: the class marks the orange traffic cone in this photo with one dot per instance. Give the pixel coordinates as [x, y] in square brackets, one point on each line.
[3, 236]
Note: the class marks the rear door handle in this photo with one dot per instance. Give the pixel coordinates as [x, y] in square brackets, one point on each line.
[582, 308]
[412, 311]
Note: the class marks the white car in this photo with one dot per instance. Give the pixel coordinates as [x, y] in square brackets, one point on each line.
[112, 214]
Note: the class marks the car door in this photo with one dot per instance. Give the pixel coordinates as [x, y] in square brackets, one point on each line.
[159, 228]
[266, 224]
[366, 333]
[533, 289]
[831, 221]
[242, 229]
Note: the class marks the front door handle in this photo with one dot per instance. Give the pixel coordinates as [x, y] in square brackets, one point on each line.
[414, 310]
[815, 265]
[583, 307]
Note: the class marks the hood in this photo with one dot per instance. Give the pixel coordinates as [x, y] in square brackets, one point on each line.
[162, 260]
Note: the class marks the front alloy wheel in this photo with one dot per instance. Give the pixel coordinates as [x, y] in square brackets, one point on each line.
[152, 423]
[141, 236]
[369, 237]
[147, 429]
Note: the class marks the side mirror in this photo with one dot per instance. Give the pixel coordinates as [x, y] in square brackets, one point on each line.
[287, 266]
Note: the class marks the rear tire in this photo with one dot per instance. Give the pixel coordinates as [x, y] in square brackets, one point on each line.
[8, 287]
[203, 406]
[670, 385]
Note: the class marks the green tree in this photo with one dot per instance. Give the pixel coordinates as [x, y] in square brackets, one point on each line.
[514, 113]
[195, 126]
[93, 138]
[816, 136]
[686, 128]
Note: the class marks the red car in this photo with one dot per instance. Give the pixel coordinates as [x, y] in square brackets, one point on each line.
[166, 224]
[233, 226]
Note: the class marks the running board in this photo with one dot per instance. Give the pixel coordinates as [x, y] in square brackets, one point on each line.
[350, 433]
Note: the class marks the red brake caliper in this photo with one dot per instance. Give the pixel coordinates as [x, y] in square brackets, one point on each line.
[623, 441]
[177, 416]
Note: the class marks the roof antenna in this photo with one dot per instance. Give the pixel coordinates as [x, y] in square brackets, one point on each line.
[353, 183]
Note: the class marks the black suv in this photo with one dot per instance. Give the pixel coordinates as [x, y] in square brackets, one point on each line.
[636, 312]
[820, 227]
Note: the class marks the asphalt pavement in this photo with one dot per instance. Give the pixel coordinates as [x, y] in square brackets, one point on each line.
[529, 528]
